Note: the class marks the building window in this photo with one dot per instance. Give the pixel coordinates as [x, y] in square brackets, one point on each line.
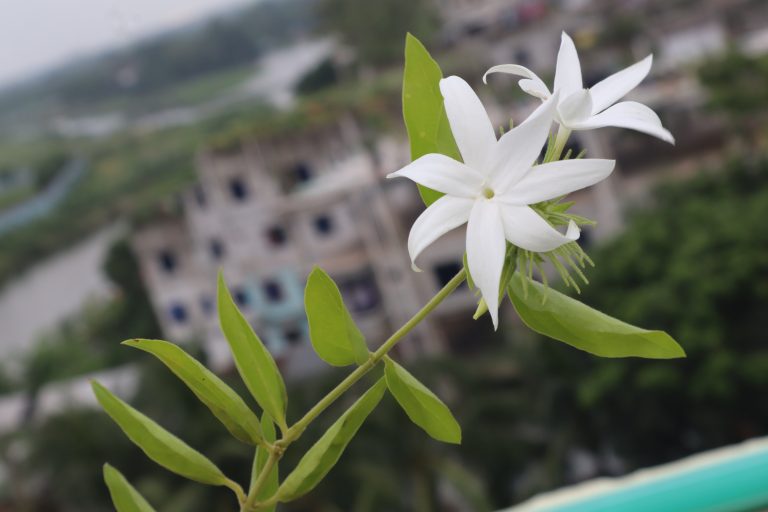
[179, 313]
[277, 236]
[360, 293]
[238, 189]
[241, 296]
[199, 194]
[292, 335]
[302, 172]
[324, 224]
[206, 305]
[216, 248]
[273, 291]
[444, 272]
[167, 261]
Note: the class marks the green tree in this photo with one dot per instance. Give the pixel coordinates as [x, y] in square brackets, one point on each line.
[376, 30]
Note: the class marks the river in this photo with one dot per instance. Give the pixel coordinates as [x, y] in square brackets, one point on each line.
[53, 290]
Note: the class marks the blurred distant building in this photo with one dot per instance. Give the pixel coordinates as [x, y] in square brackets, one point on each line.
[266, 211]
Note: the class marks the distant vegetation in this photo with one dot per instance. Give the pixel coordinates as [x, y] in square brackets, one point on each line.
[224, 43]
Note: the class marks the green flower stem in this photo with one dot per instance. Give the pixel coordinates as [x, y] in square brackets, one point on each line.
[295, 431]
[556, 150]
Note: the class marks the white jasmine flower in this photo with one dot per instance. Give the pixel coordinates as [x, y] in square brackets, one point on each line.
[493, 188]
[584, 109]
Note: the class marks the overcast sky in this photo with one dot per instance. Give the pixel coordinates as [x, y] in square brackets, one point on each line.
[38, 34]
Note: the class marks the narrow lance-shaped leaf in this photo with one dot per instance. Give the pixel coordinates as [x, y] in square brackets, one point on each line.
[124, 496]
[423, 109]
[558, 316]
[324, 454]
[260, 460]
[160, 445]
[334, 335]
[421, 405]
[222, 400]
[254, 362]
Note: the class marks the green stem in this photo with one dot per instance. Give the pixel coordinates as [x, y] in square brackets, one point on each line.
[295, 431]
[235, 487]
[253, 492]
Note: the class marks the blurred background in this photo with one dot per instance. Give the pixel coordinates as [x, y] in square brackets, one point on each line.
[144, 145]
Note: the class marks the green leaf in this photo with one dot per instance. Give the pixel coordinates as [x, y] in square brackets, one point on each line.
[270, 487]
[423, 109]
[558, 316]
[160, 445]
[254, 362]
[421, 405]
[334, 335]
[324, 454]
[222, 400]
[124, 496]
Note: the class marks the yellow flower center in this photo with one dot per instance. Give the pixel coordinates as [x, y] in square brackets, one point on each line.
[488, 193]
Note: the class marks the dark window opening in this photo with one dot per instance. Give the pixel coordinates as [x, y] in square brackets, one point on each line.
[324, 224]
[238, 189]
[277, 236]
[273, 291]
[200, 198]
[179, 313]
[361, 293]
[167, 261]
[206, 305]
[241, 296]
[216, 248]
[292, 335]
[444, 272]
[302, 172]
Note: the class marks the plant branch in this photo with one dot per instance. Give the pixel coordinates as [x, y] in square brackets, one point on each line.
[274, 455]
[295, 431]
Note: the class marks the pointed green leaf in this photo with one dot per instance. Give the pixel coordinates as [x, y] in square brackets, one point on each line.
[160, 445]
[423, 109]
[324, 454]
[334, 335]
[421, 405]
[124, 496]
[254, 362]
[222, 400]
[260, 460]
[558, 316]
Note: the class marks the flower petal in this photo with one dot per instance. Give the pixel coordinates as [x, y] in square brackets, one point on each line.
[628, 114]
[610, 90]
[442, 216]
[470, 125]
[555, 179]
[443, 174]
[528, 230]
[517, 149]
[485, 252]
[576, 107]
[531, 83]
[568, 70]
